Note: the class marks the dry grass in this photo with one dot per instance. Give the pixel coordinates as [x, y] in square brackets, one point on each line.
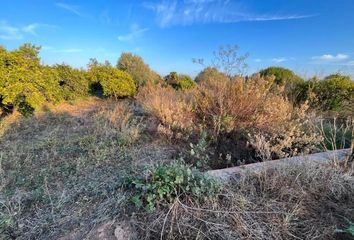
[59, 171]
[338, 134]
[173, 110]
[304, 202]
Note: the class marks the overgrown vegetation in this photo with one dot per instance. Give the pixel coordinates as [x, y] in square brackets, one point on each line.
[62, 165]
[297, 202]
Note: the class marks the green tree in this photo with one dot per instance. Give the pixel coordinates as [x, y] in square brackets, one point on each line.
[179, 82]
[23, 83]
[283, 76]
[137, 68]
[114, 82]
[335, 93]
[294, 85]
[73, 82]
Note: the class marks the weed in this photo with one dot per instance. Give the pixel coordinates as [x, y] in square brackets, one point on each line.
[166, 182]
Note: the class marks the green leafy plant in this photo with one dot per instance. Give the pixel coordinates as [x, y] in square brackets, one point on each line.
[198, 152]
[166, 182]
[349, 230]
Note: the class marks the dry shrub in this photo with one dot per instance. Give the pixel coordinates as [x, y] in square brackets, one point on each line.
[301, 202]
[173, 109]
[296, 136]
[120, 115]
[251, 120]
[241, 103]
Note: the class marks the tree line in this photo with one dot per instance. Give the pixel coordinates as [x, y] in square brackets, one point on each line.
[26, 84]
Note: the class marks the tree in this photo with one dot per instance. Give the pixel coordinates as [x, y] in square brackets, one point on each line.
[23, 83]
[72, 82]
[137, 68]
[295, 86]
[335, 93]
[179, 82]
[283, 76]
[114, 82]
[209, 73]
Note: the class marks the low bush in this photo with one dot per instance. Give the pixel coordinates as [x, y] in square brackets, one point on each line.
[166, 182]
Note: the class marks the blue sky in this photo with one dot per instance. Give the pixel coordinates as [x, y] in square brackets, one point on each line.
[308, 36]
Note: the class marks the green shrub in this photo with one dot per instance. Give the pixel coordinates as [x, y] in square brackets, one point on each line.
[292, 83]
[138, 69]
[282, 75]
[166, 182]
[185, 82]
[114, 82]
[334, 93]
[73, 82]
[179, 82]
[198, 152]
[23, 81]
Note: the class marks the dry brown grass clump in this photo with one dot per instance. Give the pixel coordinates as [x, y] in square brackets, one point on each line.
[296, 136]
[173, 109]
[298, 202]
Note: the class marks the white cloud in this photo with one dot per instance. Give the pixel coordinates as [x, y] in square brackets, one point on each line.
[31, 29]
[9, 32]
[135, 32]
[279, 60]
[70, 8]
[258, 60]
[331, 58]
[209, 11]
